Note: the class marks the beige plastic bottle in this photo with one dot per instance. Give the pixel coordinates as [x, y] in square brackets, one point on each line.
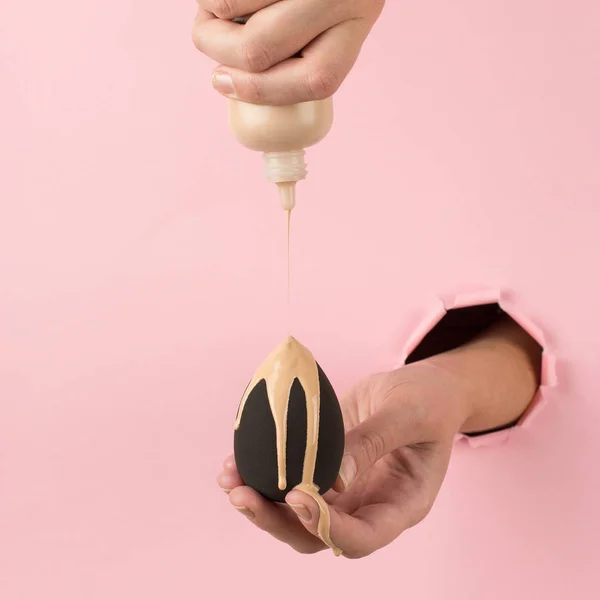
[281, 133]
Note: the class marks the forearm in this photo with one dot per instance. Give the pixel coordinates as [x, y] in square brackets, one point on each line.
[498, 374]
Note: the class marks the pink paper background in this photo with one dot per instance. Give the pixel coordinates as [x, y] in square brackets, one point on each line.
[142, 269]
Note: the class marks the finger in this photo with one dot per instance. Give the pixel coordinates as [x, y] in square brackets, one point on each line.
[350, 413]
[396, 424]
[369, 529]
[229, 463]
[331, 496]
[357, 535]
[325, 63]
[230, 9]
[277, 520]
[216, 37]
[339, 485]
[229, 478]
[270, 36]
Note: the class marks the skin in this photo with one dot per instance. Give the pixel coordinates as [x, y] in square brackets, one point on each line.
[400, 431]
[256, 59]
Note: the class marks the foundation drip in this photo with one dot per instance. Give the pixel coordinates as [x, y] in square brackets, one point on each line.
[291, 361]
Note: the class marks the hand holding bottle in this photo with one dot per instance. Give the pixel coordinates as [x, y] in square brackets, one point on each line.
[258, 60]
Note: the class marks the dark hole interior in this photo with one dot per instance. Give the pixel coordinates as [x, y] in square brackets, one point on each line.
[458, 327]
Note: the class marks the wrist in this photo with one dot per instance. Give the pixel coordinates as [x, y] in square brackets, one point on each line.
[460, 390]
[496, 376]
[448, 395]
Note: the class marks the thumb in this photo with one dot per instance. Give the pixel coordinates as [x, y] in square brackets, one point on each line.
[396, 424]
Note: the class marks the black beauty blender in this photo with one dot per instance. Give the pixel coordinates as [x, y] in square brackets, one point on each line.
[255, 444]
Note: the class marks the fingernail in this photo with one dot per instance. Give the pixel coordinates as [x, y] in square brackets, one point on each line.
[226, 490]
[348, 470]
[223, 83]
[244, 510]
[301, 511]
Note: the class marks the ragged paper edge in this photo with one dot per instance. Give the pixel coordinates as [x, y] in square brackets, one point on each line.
[433, 316]
[548, 375]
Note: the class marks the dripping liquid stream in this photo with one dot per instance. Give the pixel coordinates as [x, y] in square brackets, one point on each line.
[289, 301]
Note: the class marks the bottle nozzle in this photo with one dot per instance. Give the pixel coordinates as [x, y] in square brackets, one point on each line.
[287, 194]
[285, 169]
[287, 166]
